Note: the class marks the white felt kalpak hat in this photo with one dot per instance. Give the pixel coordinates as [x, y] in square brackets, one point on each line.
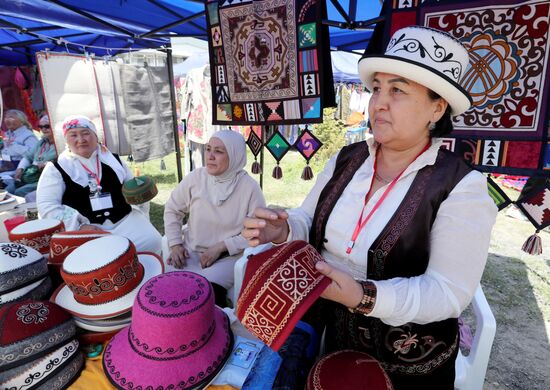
[103, 276]
[427, 56]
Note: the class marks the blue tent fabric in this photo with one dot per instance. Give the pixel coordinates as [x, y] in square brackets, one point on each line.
[77, 26]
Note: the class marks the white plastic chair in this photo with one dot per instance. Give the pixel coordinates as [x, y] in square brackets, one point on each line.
[471, 369]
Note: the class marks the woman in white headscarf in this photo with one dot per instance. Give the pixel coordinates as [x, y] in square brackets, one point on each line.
[83, 188]
[216, 199]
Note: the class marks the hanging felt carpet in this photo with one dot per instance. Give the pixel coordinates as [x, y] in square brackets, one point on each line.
[268, 61]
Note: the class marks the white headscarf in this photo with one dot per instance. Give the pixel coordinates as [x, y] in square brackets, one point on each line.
[222, 186]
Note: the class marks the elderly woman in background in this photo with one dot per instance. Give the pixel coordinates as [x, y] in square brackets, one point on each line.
[84, 189]
[216, 198]
[404, 226]
[31, 165]
[18, 140]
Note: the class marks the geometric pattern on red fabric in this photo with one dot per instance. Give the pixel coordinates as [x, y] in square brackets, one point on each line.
[267, 50]
[280, 285]
[536, 206]
[346, 370]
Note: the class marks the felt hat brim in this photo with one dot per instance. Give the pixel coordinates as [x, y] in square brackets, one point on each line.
[457, 97]
[63, 296]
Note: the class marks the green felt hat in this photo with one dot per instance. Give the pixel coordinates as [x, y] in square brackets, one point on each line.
[139, 190]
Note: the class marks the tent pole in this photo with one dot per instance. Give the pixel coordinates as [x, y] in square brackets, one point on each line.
[263, 129]
[170, 65]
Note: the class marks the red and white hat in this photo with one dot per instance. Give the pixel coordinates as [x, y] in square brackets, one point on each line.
[63, 243]
[103, 276]
[272, 302]
[37, 233]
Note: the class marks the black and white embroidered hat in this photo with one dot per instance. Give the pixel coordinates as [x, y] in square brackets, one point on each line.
[427, 56]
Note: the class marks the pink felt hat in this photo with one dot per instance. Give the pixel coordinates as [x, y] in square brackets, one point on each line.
[280, 285]
[178, 338]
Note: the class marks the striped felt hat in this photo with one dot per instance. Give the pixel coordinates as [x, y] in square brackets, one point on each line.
[23, 273]
[31, 330]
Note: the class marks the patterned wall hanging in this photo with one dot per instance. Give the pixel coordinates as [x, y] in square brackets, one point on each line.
[277, 146]
[307, 144]
[254, 142]
[508, 79]
[269, 61]
[499, 197]
[536, 206]
[506, 131]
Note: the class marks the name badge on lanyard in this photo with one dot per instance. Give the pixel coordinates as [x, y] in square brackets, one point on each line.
[6, 156]
[101, 201]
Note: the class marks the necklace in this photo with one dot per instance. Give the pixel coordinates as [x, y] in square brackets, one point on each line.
[380, 178]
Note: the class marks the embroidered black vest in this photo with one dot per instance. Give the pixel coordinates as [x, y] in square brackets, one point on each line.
[412, 354]
[78, 197]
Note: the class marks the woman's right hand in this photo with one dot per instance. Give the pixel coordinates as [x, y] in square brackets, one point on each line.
[267, 225]
[178, 256]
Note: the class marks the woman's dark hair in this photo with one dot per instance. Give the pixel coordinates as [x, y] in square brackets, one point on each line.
[443, 126]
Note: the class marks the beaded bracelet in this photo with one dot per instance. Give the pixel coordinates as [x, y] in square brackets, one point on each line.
[369, 298]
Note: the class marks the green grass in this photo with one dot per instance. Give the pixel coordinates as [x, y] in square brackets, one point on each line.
[287, 192]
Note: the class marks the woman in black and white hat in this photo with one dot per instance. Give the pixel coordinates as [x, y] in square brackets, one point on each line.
[404, 226]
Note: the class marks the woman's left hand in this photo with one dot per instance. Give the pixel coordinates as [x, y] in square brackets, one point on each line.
[343, 288]
[209, 256]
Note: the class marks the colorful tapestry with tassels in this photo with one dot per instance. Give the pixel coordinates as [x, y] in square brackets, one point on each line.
[278, 146]
[307, 144]
[269, 60]
[506, 131]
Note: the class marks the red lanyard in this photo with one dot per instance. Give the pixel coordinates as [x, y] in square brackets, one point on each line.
[362, 222]
[43, 149]
[95, 176]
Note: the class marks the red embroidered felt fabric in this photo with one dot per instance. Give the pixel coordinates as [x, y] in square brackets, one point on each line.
[279, 286]
[360, 371]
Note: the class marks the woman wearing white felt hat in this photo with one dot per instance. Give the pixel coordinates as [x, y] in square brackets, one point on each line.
[83, 188]
[404, 226]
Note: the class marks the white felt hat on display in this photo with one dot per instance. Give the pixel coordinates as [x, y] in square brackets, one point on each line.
[426, 56]
[103, 276]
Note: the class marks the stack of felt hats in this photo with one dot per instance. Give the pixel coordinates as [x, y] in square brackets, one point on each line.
[38, 348]
[36, 233]
[102, 278]
[139, 190]
[23, 274]
[178, 338]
